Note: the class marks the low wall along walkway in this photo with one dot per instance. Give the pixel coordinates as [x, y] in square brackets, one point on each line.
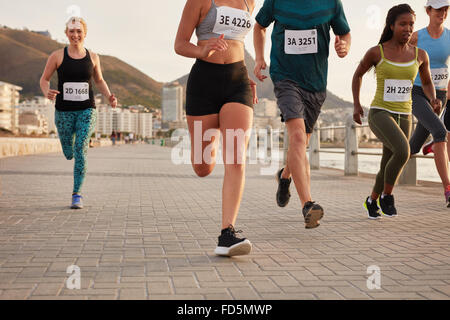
[13, 147]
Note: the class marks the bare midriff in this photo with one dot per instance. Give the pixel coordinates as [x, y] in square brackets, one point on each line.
[234, 53]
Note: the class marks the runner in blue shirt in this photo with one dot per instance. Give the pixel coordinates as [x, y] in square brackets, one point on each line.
[299, 70]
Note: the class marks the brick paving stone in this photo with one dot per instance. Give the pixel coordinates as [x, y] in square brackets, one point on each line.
[47, 289]
[133, 294]
[150, 233]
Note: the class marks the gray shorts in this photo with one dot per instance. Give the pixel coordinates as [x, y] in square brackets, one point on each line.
[297, 103]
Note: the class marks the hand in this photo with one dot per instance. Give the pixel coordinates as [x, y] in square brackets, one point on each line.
[341, 47]
[436, 104]
[113, 101]
[51, 94]
[358, 112]
[213, 45]
[260, 65]
[255, 94]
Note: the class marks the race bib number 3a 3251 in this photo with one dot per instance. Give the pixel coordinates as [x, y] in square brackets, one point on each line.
[76, 91]
[397, 90]
[440, 77]
[300, 41]
[232, 22]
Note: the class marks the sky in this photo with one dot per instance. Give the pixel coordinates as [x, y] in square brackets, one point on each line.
[142, 33]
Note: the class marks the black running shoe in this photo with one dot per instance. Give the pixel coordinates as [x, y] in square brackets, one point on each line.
[283, 193]
[313, 213]
[372, 209]
[229, 245]
[387, 206]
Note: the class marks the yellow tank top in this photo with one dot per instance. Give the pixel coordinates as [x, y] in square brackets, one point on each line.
[394, 84]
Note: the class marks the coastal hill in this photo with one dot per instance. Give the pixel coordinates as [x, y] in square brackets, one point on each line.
[24, 55]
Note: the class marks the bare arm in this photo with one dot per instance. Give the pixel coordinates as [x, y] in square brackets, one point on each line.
[189, 21]
[370, 59]
[50, 68]
[101, 83]
[448, 91]
[343, 44]
[427, 82]
[259, 42]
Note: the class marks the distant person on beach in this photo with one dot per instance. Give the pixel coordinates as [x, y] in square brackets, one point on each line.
[75, 114]
[435, 40]
[299, 71]
[219, 100]
[113, 138]
[396, 64]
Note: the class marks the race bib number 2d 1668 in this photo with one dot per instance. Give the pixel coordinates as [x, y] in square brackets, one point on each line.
[76, 91]
[300, 41]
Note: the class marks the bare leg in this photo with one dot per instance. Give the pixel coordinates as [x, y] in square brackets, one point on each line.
[441, 160]
[203, 123]
[237, 119]
[448, 145]
[298, 163]
[388, 189]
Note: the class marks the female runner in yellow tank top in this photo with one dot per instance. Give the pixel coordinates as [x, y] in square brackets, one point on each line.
[396, 64]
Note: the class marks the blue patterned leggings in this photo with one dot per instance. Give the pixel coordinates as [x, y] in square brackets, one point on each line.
[75, 130]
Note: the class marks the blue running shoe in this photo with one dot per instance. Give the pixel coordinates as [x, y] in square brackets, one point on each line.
[77, 202]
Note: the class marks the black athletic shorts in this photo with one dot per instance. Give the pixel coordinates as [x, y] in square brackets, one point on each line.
[211, 86]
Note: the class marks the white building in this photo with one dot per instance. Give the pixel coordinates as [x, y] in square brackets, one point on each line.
[45, 107]
[105, 120]
[33, 122]
[123, 120]
[145, 127]
[172, 103]
[9, 100]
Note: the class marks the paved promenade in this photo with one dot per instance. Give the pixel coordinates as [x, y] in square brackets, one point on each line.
[150, 228]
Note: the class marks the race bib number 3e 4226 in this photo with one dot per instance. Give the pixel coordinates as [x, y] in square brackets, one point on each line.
[300, 41]
[76, 91]
[397, 90]
[232, 21]
[440, 77]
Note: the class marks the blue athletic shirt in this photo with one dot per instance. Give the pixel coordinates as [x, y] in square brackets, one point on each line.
[308, 70]
[439, 52]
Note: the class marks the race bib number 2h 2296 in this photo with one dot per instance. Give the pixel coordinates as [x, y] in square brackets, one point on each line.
[300, 41]
[76, 91]
[397, 90]
[232, 22]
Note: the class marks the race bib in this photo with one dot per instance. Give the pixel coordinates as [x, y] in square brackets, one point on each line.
[300, 41]
[440, 77]
[397, 90]
[76, 91]
[232, 22]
